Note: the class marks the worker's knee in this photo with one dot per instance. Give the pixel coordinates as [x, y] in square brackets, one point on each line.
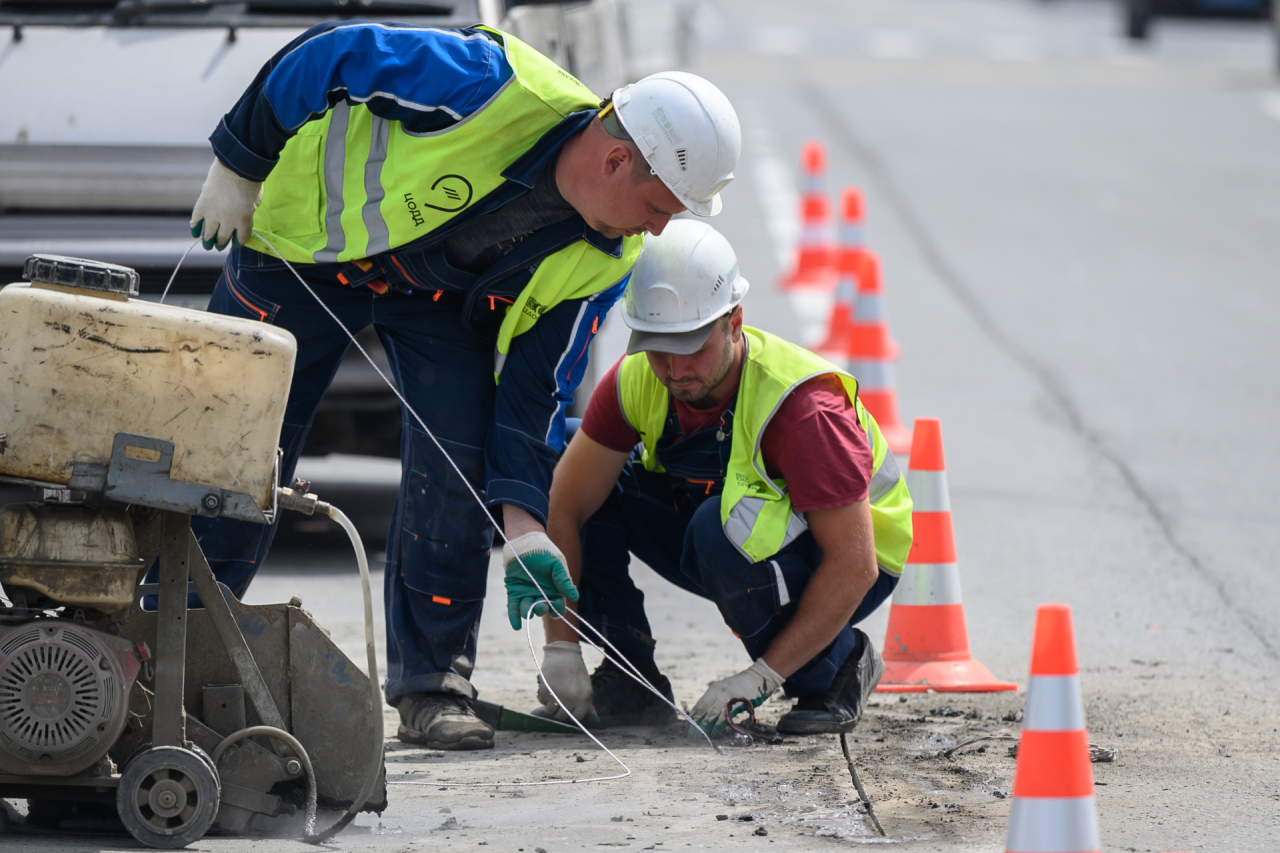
[750, 595]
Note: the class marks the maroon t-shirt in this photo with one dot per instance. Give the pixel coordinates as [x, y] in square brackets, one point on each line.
[814, 441]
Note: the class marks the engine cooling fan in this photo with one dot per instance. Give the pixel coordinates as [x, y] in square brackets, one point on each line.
[64, 692]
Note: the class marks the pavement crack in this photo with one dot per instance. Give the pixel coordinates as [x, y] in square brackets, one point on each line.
[1040, 372]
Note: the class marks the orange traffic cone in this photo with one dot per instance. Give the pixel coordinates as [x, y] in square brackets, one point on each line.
[870, 352]
[815, 258]
[849, 257]
[927, 644]
[1053, 806]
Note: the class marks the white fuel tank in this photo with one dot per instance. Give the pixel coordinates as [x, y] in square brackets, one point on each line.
[80, 361]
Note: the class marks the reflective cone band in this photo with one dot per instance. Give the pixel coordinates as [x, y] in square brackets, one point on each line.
[816, 255]
[850, 256]
[871, 352]
[927, 644]
[1053, 808]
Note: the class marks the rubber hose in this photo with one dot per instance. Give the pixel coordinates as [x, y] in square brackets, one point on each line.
[295, 745]
[375, 695]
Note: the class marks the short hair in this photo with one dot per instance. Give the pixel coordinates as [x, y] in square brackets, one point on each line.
[641, 171]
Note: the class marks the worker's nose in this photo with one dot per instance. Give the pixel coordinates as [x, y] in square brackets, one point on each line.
[657, 224]
[682, 368]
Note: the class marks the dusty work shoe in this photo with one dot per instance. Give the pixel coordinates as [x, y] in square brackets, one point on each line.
[839, 709]
[442, 721]
[620, 700]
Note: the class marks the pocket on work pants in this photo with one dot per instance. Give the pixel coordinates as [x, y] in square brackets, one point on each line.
[444, 535]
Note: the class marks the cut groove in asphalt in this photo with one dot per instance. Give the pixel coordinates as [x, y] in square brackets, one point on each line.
[1041, 373]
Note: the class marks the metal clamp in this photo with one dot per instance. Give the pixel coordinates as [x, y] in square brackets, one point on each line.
[140, 473]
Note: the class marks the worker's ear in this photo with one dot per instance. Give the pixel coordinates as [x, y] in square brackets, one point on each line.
[617, 159]
[735, 322]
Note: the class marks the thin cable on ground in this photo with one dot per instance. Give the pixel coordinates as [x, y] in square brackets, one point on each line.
[621, 661]
[626, 771]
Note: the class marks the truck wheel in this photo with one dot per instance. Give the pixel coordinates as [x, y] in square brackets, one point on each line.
[1137, 19]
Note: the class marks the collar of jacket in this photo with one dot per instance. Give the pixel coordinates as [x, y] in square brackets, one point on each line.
[529, 165]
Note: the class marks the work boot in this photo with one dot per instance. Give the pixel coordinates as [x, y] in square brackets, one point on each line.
[620, 700]
[442, 721]
[839, 709]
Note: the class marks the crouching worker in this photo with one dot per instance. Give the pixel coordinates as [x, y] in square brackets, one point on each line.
[743, 469]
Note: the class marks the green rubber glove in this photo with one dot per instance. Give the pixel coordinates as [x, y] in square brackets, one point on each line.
[547, 565]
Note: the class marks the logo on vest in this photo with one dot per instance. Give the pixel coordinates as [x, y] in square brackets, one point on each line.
[534, 308]
[450, 193]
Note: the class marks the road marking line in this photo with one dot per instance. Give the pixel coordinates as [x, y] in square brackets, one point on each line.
[775, 186]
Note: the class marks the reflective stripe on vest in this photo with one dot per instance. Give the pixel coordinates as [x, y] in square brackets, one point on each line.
[755, 509]
[335, 157]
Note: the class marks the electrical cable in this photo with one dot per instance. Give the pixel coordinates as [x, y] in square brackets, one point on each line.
[620, 660]
[194, 243]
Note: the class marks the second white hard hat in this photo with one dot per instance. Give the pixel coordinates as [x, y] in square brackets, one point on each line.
[685, 280]
[687, 131]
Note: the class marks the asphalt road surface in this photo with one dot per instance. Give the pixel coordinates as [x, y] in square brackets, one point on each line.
[1082, 266]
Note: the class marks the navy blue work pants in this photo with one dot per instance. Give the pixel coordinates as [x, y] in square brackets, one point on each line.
[690, 549]
[439, 538]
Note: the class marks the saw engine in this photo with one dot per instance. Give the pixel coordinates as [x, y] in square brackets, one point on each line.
[64, 695]
[177, 704]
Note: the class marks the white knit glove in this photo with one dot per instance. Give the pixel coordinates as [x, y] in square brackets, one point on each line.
[756, 683]
[224, 210]
[565, 671]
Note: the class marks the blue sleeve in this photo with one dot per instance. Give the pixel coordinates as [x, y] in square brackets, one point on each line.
[427, 78]
[539, 377]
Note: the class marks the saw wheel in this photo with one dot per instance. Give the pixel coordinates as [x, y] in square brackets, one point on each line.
[168, 797]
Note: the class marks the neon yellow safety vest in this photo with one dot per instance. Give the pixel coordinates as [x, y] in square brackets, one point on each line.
[754, 508]
[351, 185]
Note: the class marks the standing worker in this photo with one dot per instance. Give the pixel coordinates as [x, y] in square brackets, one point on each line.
[743, 469]
[482, 209]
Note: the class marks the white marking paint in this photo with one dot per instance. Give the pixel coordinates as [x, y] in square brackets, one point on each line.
[775, 186]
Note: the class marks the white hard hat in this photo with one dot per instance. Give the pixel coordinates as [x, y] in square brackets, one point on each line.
[685, 280]
[688, 133]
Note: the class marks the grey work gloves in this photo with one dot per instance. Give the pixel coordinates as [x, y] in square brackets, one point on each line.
[564, 671]
[756, 683]
[224, 210]
[546, 565]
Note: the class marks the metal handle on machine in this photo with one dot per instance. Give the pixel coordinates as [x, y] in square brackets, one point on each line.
[224, 623]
